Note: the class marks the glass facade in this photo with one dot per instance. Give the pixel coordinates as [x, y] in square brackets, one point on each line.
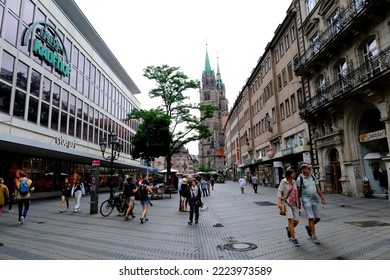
[86, 105]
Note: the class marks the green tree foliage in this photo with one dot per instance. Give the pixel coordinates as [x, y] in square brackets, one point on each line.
[184, 126]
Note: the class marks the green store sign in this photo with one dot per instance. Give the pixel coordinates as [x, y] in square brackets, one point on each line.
[48, 45]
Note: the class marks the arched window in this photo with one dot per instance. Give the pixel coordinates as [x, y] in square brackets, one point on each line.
[342, 72]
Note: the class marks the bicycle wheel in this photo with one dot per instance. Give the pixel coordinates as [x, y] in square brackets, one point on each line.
[106, 208]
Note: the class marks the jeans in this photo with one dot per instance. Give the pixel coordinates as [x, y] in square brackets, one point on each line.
[193, 209]
[26, 204]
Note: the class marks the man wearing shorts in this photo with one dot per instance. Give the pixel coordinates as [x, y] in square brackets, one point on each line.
[129, 196]
[310, 193]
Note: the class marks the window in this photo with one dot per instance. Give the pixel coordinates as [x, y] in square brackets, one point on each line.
[7, 67]
[293, 33]
[293, 103]
[281, 47]
[11, 32]
[5, 98]
[289, 72]
[277, 55]
[342, 72]
[287, 106]
[315, 42]
[19, 104]
[21, 76]
[279, 82]
[370, 51]
[310, 5]
[334, 22]
[301, 97]
[284, 77]
[286, 41]
[282, 115]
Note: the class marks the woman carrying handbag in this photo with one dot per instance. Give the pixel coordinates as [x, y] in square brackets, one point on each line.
[288, 195]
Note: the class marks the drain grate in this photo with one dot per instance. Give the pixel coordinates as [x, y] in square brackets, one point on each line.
[240, 246]
[368, 224]
[265, 203]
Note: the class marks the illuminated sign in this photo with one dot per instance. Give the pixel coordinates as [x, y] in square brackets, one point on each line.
[48, 46]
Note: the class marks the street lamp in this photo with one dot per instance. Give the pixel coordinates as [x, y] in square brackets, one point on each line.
[116, 148]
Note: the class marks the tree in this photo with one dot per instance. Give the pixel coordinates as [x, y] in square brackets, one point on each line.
[184, 126]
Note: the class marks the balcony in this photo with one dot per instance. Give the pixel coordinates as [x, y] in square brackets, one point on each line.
[335, 34]
[366, 74]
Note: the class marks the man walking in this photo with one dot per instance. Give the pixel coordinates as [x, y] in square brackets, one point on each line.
[310, 193]
[23, 193]
[255, 182]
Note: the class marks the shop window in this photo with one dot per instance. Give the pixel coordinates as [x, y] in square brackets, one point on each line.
[46, 90]
[7, 67]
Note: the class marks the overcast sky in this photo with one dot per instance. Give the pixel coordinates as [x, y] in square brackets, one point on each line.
[175, 32]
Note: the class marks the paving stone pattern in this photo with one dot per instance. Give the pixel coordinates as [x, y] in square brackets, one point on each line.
[232, 226]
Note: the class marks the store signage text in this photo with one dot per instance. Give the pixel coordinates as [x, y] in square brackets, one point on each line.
[371, 136]
[48, 46]
[270, 152]
[65, 142]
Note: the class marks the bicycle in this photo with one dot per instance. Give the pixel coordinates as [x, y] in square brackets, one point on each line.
[115, 201]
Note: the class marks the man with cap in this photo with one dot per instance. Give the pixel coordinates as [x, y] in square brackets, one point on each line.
[310, 193]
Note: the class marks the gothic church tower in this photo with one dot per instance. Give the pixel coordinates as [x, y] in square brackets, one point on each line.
[211, 150]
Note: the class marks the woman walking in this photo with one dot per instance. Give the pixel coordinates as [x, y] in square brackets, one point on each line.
[195, 201]
[65, 194]
[144, 191]
[288, 193]
[78, 191]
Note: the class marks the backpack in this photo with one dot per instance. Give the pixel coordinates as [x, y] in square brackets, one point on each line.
[23, 187]
[127, 190]
[301, 179]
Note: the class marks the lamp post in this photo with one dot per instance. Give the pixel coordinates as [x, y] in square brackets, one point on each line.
[116, 148]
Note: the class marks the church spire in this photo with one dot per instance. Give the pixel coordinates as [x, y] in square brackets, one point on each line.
[207, 68]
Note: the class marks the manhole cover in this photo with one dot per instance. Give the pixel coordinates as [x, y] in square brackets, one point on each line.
[265, 203]
[240, 246]
[368, 224]
[218, 225]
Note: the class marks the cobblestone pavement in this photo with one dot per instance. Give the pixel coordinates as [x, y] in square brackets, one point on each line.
[233, 226]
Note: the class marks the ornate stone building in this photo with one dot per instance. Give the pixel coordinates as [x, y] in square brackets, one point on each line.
[211, 150]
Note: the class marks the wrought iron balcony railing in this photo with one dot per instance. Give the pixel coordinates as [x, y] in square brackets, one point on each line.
[344, 19]
[349, 82]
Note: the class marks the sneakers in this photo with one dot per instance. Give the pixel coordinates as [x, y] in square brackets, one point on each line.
[21, 221]
[315, 240]
[308, 230]
[288, 233]
[296, 243]
[142, 220]
[10, 211]
[61, 211]
[196, 221]
[75, 210]
[190, 222]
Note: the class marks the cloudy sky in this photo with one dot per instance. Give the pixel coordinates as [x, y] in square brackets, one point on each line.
[175, 32]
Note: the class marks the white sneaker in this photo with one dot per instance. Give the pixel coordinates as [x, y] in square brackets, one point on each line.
[22, 220]
[75, 210]
[10, 211]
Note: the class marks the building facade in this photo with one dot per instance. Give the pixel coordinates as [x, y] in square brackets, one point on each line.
[345, 65]
[319, 94]
[266, 133]
[62, 92]
[211, 150]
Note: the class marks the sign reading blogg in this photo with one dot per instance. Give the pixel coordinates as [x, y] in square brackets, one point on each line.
[48, 46]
